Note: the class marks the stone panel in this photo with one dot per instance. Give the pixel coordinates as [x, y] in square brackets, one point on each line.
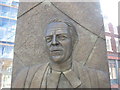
[87, 14]
[31, 35]
[18, 65]
[98, 57]
[25, 6]
[30, 44]
[31, 48]
[85, 44]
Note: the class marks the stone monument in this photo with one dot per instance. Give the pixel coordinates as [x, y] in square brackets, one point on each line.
[60, 47]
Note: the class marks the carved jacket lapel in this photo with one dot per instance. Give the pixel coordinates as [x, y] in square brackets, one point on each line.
[53, 79]
[38, 77]
[72, 78]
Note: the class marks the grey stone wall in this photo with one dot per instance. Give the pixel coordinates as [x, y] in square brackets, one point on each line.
[32, 19]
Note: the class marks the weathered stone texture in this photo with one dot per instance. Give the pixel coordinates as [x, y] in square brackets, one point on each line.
[97, 56]
[85, 45]
[25, 7]
[86, 14]
[29, 42]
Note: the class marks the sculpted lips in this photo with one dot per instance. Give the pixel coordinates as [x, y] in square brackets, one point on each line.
[56, 52]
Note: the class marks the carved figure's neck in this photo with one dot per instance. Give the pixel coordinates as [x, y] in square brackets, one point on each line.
[61, 67]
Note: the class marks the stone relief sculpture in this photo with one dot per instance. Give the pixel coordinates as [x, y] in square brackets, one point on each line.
[62, 71]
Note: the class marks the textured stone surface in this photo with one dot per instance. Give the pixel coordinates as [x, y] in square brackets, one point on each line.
[18, 65]
[30, 45]
[85, 44]
[102, 33]
[34, 38]
[98, 56]
[86, 14]
[26, 6]
[31, 48]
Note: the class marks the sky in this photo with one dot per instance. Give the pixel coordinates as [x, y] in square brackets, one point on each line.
[110, 10]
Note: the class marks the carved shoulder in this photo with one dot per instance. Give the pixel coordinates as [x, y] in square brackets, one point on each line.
[92, 78]
[103, 77]
[20, 78]
[23, 75]
[26, 76]
[98, 78]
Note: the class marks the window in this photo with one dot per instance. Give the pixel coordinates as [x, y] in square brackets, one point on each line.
[5, 11]
[2, 32]
[15, 3]
[13, 13]
[7, 2]
[113, 70]
[117, 40]
[119, 72]
[115, 30]
[0, 10]
[8, 12]
[4, 22]
[7, 30]
[6, 51]
[106, 26]
[108, 43]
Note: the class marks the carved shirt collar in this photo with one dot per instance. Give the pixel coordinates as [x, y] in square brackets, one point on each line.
[54, 76]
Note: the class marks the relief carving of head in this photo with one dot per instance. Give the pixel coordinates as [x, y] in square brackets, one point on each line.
[60, 37]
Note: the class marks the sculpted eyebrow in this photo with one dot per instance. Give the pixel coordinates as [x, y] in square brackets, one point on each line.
[62, 34]
[48, 36]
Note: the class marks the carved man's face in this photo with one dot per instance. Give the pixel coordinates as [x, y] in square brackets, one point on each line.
[59, 42]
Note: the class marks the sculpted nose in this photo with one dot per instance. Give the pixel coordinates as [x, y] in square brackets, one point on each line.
[54, 40]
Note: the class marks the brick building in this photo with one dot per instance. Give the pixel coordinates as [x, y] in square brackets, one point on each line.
[113, 51]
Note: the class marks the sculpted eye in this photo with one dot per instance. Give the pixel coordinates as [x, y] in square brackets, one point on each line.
[48, 39]
[62, 37]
